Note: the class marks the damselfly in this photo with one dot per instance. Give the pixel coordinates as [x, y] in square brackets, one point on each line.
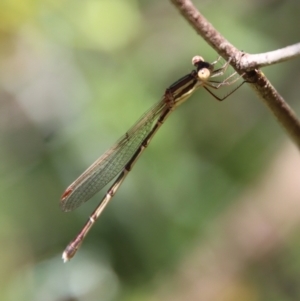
[121, 157]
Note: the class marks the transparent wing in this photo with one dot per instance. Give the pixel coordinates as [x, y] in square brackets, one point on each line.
[111, 163]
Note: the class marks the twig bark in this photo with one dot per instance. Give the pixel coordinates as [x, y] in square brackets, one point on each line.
[245, 64]
[254, 61]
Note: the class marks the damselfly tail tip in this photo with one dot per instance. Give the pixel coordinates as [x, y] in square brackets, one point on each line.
[71, 250]
[65, 257]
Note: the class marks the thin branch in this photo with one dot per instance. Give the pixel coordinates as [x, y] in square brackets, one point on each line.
[207, 31]
[255, 77]
[254, 61]
[276, 103]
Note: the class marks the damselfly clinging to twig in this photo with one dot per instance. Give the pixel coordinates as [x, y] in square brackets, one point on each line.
[121, 157]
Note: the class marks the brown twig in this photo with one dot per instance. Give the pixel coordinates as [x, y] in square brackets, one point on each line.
[254, 61]
[207, 31]
[270, 96]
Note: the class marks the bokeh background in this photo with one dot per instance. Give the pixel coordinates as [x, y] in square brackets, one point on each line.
[210, 212]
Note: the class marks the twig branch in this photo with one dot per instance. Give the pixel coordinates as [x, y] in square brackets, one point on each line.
[241, 62]
[254, 61]
[207, 31]
[276, 103]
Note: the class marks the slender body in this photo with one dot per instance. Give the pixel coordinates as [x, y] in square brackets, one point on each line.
[121, 157]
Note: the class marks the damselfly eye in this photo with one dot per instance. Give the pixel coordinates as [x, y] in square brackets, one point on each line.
[196, 59]
[204, 73]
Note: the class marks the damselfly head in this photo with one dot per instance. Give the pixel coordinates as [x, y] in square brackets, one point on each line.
[203, 68]
[204, 74]
[196, 59]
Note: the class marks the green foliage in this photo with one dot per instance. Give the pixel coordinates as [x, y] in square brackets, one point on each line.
[75, 75]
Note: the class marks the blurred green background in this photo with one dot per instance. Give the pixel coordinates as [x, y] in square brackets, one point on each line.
[74, 76]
